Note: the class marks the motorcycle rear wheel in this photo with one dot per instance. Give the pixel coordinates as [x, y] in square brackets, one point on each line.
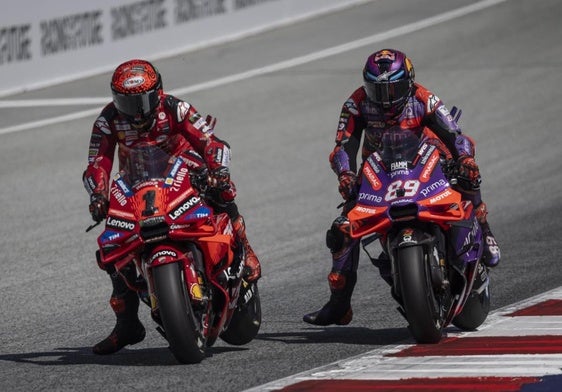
[474, 312]
[420, 304]
[246, 320]
[182, 331]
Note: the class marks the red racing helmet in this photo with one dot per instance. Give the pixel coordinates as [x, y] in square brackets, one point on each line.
[136, 86]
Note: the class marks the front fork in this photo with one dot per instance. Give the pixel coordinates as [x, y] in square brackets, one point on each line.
[433, 249]
[191, 260]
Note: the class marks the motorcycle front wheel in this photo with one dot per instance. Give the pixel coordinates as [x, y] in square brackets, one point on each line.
[180, 327]
[420, 304]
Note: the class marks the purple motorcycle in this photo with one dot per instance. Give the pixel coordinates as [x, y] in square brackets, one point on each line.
[407, 199]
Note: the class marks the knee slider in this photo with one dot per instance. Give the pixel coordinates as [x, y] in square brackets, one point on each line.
[481, 212]
[335, 236]
[336, 281]
[117, 304]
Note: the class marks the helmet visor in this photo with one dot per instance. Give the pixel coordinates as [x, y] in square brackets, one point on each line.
[387, 92]
[136, 104]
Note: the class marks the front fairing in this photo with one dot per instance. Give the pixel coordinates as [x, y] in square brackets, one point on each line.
[151, 199]
[403, 182]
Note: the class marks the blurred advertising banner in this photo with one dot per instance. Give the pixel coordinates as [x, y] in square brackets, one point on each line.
[48, 42]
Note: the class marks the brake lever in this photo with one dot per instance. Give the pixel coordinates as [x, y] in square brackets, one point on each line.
[92, 226]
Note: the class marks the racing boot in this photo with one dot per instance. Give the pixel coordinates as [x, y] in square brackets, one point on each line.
[338, 309]
[128, 329]
[252, 264]
[491, 255]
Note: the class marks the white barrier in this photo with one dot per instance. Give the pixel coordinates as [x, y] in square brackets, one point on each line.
[48, 42]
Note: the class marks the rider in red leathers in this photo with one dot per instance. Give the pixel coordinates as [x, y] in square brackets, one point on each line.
[142, 112]
[389, 97]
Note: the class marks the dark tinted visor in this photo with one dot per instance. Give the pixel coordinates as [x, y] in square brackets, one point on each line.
[134, 104]
[387, 92]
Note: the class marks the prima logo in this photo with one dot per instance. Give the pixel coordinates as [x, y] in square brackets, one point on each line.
[369, 197]
[433, 187]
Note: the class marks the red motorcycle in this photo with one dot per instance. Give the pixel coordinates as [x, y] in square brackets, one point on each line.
[190, 266]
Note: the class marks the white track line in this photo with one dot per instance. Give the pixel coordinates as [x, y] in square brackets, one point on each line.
[393, 33]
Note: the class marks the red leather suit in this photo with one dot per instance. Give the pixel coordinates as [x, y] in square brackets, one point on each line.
[177, 127]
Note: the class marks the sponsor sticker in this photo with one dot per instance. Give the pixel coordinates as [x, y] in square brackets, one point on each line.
[162, 253]
[432, 103]
[428, 169]
[121, 224]
[372, 177]
[133, 82]
[184, 207]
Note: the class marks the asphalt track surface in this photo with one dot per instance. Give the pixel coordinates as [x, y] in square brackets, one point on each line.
[500, 64]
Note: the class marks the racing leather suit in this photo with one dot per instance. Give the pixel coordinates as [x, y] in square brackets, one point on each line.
[359, 118]
[177, 127]
[422, 109]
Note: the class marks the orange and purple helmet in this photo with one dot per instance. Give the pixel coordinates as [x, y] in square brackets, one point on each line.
[388, 78]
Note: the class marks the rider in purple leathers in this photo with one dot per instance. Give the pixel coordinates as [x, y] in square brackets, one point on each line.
[389, 97]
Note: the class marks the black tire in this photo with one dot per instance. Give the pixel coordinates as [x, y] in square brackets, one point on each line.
[182, 332]
[474, 312]
[420, 304]
[246, 320]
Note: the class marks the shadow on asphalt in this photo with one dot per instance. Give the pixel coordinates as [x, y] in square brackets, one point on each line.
[345, 335]
[126, 357]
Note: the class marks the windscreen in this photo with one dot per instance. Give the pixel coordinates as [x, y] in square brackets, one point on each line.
[145, 162]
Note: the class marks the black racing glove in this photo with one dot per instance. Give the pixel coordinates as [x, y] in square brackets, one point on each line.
[347, 186]
[220, 178]
[99, 206]
[199, 179]
[469, 173]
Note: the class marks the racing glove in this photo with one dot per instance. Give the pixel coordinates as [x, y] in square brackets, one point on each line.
[347, 180]
[99, 206]
[219, 178]
[199, 179]
[469, 172]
